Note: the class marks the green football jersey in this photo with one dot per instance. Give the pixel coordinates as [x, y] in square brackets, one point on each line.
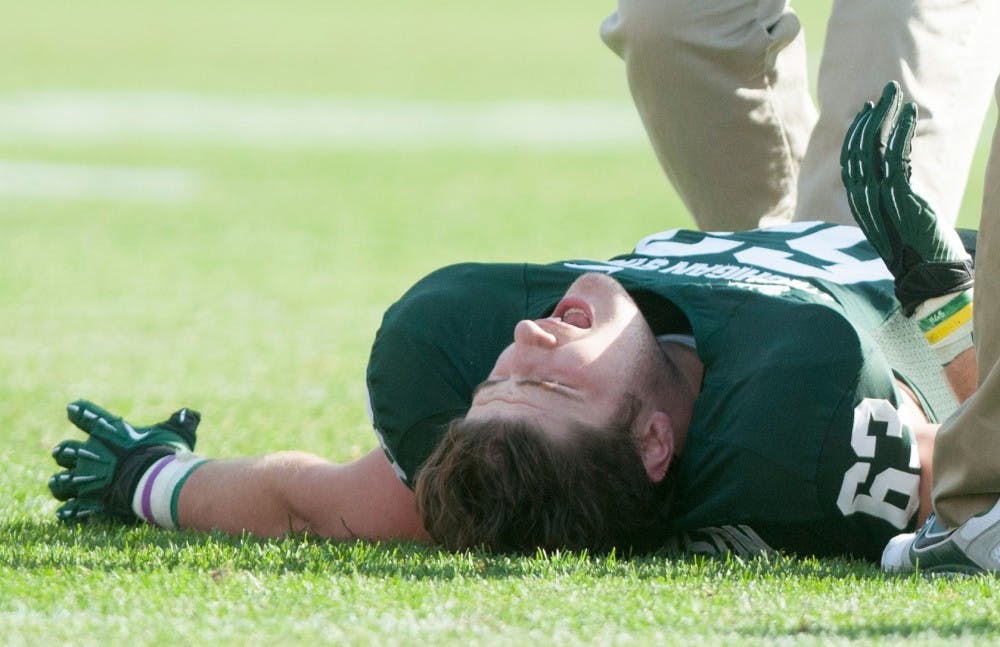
[795, 441]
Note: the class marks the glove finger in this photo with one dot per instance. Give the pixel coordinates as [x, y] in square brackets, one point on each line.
[70, 483]
[92, 419]
[900, 142]
[869, 220]
[863, 174]
[857, 174]
[860, 162]
[892, 98]
[851, 140]
[185, 423]
[897, 172]
[885, 114]
[876, 130]
[79, 510]
[68, 452]
[61, 485]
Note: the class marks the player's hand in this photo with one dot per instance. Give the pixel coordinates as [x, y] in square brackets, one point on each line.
[926, 257]
[101, 473]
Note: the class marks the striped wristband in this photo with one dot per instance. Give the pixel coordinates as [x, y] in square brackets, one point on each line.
[155, 498]
[946, 323]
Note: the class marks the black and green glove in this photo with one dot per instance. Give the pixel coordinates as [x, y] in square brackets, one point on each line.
[102, 473]
[926, 258]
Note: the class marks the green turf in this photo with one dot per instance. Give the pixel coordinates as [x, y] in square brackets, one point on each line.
[256, 299]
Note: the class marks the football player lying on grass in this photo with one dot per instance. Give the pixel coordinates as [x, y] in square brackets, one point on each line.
[712, 391]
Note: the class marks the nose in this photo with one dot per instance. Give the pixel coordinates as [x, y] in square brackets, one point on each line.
[529, 352]
[529, 334]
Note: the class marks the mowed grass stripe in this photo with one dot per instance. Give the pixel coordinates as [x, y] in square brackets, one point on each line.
[318, 122]
[33, 179]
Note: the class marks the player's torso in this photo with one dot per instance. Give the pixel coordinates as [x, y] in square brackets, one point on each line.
[789, 436]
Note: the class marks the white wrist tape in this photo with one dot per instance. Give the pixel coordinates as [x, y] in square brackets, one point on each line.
[946, 322]
[155, 498]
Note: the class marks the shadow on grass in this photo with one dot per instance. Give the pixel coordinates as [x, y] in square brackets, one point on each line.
[736, 590]
[934, 629]
[102, 546]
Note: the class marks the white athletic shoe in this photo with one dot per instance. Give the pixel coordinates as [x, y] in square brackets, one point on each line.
[973, 547]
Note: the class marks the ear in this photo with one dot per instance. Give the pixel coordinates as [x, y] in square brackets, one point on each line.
[656, 442]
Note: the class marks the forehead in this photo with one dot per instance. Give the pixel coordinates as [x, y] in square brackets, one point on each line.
[549, 405]
[541, 401]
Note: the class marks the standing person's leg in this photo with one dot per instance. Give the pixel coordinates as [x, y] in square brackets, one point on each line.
[945, 55]
[967, 452]
[723, 92]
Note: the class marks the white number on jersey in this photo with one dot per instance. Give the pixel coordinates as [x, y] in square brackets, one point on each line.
[823, 245]
[863, 441]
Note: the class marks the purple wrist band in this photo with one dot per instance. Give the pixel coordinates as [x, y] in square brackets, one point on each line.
[147, 491]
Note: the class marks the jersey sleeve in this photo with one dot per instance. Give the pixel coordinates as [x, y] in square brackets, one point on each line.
[439, 341]
[421, 372]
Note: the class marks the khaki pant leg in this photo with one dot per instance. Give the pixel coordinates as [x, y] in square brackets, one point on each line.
[967, 451]
[722, 89]
[944, 53]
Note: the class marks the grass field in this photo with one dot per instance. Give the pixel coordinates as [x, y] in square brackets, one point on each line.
[185, 223]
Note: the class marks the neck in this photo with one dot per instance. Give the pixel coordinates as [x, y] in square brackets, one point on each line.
[689, 366]
[684, 385]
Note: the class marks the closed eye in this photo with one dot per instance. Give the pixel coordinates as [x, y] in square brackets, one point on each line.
[548, 385]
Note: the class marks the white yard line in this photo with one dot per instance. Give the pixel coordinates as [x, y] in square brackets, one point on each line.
[317, 123]
[78, 182]
[282, 122]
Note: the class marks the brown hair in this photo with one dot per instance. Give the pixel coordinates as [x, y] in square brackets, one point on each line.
[508, 486]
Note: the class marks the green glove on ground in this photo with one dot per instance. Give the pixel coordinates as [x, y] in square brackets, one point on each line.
[102, 473]
[926, 257]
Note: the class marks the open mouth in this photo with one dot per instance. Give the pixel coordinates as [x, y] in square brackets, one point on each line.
[574, 312]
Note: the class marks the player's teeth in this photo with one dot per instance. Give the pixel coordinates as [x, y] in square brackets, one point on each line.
[576, 317]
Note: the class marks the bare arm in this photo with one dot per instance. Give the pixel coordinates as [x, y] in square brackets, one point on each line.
[924, 433]
[962, 374]
[294, 491]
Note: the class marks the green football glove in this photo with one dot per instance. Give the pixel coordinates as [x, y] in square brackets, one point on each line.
[102, 473]
[926, 257]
